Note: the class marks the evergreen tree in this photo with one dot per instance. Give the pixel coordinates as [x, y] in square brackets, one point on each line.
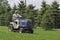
[4, 12]
[14, 8]
[31, 13]
[22, 8]
[43, 9]
[47, 20]
[56, 14]
[39, 17]
[43, 12]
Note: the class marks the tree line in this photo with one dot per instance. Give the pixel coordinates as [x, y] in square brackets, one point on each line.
[48, 17]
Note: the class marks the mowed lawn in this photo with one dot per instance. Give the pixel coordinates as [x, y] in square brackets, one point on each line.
[38, 34]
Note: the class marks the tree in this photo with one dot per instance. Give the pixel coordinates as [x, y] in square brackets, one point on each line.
[43, 9]
[22, 8]
[39, 17]
[42, 13]
[31, 13]
[4, 12]
[48, 19]
[56, 14]
[14, 9]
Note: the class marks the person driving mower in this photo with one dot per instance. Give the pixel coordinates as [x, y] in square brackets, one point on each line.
[16, 16]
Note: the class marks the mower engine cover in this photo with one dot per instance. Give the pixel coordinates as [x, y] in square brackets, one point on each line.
[25, 23]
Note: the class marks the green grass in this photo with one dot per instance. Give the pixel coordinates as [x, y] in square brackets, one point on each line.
[39, 34]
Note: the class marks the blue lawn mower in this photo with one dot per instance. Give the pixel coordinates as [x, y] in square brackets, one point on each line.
[21, 26]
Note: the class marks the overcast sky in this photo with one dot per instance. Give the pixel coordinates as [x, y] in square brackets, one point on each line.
[36, 3]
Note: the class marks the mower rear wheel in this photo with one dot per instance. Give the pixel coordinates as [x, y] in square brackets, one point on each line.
[10, 27]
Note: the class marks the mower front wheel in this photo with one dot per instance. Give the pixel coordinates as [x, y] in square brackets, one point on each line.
[21, 30]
